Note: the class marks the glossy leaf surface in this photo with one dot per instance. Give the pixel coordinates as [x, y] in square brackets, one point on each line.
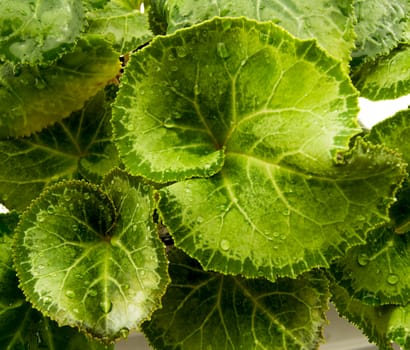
[388, 77]
[32, 98]
[381, 26]
[122, 22]
[38, 32]
[381, 324]
[91, 257]
[206, 310]
[330, 22]
[78, 146]
[21, 326]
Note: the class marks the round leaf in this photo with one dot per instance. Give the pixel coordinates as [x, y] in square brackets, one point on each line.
[93, 259]
[236, 313]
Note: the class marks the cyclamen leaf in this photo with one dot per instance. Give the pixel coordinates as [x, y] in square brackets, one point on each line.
[21, 326]
[78, 146]
[32, 98]
[39, 31]
[381, 324]
[93, 259]
[330, 22]
[387, 77]
[235, 313]
[231, 85]
[122, 22]
[381, 26]
[377, 273]
[258, 218]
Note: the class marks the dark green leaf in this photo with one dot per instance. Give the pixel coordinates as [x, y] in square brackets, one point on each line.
[79, 146]
[378, 272]
[22, 327]
[381, 26]
[90, 257]
[381, 324]
[32, 98]
[206, 310]
[38, 32]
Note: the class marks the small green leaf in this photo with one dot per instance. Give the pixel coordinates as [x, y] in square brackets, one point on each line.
[90, 257]
[121, 22]
[387, 77]
[207, 310]
[381, 324]
[32, 98]
[158, 16]
[21, 326]
[78, 146]
[38, 32]
[257, 218]
[377, 273]
[381, 26]
[330, 22]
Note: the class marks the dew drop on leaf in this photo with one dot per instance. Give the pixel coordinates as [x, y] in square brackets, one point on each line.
[222, 50]
[92, 293]
[181, 51]
[363, 259]
[225, 245]
[70, 294]
[392, 279]
[106, 306]
[86, 196]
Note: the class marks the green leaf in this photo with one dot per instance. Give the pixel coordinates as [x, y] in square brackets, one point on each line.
[387, 77]
[258, 218]
[377, 273]
[394, 132]
[158, 16]
[39, 31]
[91, 258]
[381, 324]
[22, 327]
[32, 98]
[121, 22]
[207, 310]
[234, 86]
[381, 26]
[78, 146]
[330, 22]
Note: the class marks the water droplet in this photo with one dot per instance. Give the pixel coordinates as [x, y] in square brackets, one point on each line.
[50, 209]
[222, 50]
[47, 300]
[86, 196]
[124, 332]
[173, 69]
[70, 294]
[199, 219]
[363, 259]
[181, 51]
[197, 89]
[225, 245]
[286, 212]
[276, 234]
[392, 279]
[71, 206]
[40, 83]
[74, 227]
[169, 123]
[92, 293]
[106, 306]
[40, 217]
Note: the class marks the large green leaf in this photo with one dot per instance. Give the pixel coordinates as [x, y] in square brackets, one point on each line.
[122, 22]
[231, 86]
[22, 327]
[32, 98]
[78, 146]
[377, 273]
[90, 257]
[381, 324]
[39, 31]
[207, 310]
[328, 21]
[387, 77]
[270, 114]
[381, 26]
